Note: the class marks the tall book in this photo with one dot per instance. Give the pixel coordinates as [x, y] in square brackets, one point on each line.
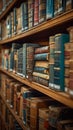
[69, 5]
[4, 5]
[30, 13]
[15, 20]
[43, 119]
[19, 26]
[0, 31]
[24, 15]
[49, 9]
[36, 12]
[60, 40]
[42, 10]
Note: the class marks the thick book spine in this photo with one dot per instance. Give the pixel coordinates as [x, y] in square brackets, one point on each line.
[36, 12]
[24, 15]
[49, 9]
[19, 26]
[15, 20]
[69, 5]
[42, 10]
[60, 40]
[30, 13]
[45, 76]
[41, 80]
[44, 64]
[41, 70]
[43, 49]
[41, 57]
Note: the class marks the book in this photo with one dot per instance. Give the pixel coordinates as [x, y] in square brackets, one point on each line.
[60, 40]
[24, 15]
[25, 45]
[42, 11]
[44, 64]
[36, 12]
[19, 26]
[43, 119]
[0, 31]
[41, 80]
[44, 76]
[51, 75]
[49, 9]
[30, 14]
[61, 6]
[41, 70]
[43, 49]
[69, 5]
[41, 57]
[35, 104]
[70, 30]
[15, 20]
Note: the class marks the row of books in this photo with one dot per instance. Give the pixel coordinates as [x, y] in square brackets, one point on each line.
[3, 5]
[7, 121]
[42, 64]
[32, 13]
[37, 111]
[69, 63]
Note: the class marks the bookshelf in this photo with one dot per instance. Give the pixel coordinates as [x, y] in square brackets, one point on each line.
[36, 33]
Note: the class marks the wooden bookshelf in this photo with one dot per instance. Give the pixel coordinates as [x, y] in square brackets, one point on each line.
[62, 97]
[55, 23]
[12, 112]
[9, 7]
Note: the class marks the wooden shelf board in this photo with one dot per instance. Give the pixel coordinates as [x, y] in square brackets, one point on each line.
[7, 9]
[12, 112]
[63, 18]
[59, 96]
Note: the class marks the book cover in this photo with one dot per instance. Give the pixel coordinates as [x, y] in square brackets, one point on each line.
[44, 76]
[41, 57]
[43, 49]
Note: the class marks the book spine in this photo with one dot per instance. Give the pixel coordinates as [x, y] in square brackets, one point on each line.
[42, 57]
[42, 11]
[44, 49]
[69, 5]
[15, 20]
[45, 76]
[41, 70]
[44, 64]
[49, 9]
[61, 6]
[41, 80]
[36, 12]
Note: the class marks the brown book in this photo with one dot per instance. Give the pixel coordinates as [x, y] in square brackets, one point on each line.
[43, 119]
[69, 5]
[70, 29]
[19, 25]
[1, 6]
[34, 109]
[44, 76]
[44, 49]
[71, 64]
[44, 64]
[4, 29]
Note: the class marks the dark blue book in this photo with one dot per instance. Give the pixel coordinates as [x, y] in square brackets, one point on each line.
[49, 9]
[15, 20]
[41, 70]
[42, 56]
[60, 40]
[24, 15]
[51, 75]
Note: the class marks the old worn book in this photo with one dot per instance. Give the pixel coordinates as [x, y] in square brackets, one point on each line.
[69, 5]
[41, 57]
[41, 81]
[43, 49]
[19, 25]
[0, 31]
[42, 11]
[30, 13]
[24, 15]
[41, 70]
[44, 76]
[36, 12]
[49, 9]
[70, 29]
[44, 118]
[1, 6]
[35, 105]
[44, 64]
